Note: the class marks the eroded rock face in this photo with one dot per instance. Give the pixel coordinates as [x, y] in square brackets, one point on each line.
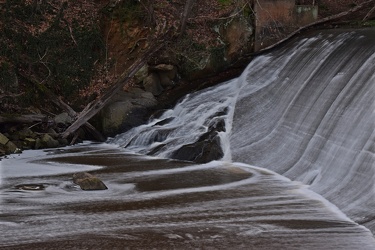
[88, 181]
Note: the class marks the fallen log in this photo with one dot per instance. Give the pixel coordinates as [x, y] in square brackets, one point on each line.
[32, 118]
[369, 14]
[64, 106]
[124, 80]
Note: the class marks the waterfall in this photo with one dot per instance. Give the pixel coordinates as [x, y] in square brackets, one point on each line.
[310, 116]
[191, 118]
[306, 111]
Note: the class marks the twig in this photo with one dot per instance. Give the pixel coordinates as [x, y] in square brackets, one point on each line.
[48, 112]
[36, 124]
[136, 44]
[45, 65]
[11, 95]
[71, 34]
[208, 18]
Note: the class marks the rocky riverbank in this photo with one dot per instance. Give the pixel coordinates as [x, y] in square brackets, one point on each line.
[15, 137]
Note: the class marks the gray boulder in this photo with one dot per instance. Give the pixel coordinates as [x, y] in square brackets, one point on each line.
[206, 149]
[88, 181]
[3, 139]
[152, 84]
[127, 110]
[48, 142]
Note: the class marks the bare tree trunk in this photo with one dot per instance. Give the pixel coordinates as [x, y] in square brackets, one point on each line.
[185, 15]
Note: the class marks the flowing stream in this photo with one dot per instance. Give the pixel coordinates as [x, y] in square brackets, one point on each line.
[297, 131]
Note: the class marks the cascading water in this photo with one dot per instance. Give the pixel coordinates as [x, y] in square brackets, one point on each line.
[313, 120]
[306, 111]
[186, 123]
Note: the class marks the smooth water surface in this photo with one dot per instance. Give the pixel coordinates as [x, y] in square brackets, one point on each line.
[161, 204]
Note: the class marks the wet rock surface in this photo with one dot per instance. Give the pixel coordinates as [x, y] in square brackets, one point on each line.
[206, 149]
[30, 187]
[88, 181]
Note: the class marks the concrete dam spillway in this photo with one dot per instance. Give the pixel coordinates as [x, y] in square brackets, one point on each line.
[309, 115]
[305, 111]
[297, 170]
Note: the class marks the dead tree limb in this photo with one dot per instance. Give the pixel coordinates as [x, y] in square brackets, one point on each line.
[64, 106]
[185, 15]
[93, 108]
[10, 95]
[368, 15]
[23, 118]
[321, 21]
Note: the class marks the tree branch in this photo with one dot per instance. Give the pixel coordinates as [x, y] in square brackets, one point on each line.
[369, 14]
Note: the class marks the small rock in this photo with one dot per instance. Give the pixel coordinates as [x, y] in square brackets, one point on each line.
[3, 139]
[38, 143]
[63, 118]
[88, 181]
[11, 148]
[52, 133]
[63, 141]
[165, 80]
[29, 143]
[26, 132]
[48, 142]
[163, 67]
[31, 187]
[141, 74]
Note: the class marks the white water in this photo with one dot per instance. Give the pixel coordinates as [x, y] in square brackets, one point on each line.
[314, 121]
[306, 111]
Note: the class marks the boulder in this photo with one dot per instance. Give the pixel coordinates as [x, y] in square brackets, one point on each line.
[63, 119]
[52, 133]
[24, 133]
[152, 84]
[88, 181]
[167, 74]
[3, 139]
[141, 74]
[128, 109]
[11, 148]
[206, 149]
[29, 143]
[38, 143]
[48, 142]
